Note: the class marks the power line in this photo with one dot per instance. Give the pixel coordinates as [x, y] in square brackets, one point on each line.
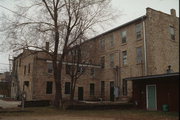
[15, 12]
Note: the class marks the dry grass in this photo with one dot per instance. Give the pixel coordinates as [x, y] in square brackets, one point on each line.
[52, 113]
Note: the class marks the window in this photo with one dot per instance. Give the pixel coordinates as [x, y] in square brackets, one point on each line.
[26, 83]
[92, 72]
[67, 87]
[172, 32]
[102, 44]
[139, 31]
[24, 69]
[111, 40]
[124, 36]
[68, 68]
[81, 69]
[102, 61]
[111, 59]
[50, 67]
[139, 55]
[49, 86]
[29, 68]
[20, 62]
[92, 89]
[102, 88]
[124, 53]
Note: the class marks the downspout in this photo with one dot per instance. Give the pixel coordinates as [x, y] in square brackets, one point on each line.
[145, 49]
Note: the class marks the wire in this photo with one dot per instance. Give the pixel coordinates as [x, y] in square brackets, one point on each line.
[15, 12]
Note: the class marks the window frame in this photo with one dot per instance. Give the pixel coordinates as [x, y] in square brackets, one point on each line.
[139, 58]
[124, 57]
[124, 37]
[172, 32]
[139, 29]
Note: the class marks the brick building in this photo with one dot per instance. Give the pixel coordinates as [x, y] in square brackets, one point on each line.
[142, 47]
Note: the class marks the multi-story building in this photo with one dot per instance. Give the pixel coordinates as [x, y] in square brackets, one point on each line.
[144, 46]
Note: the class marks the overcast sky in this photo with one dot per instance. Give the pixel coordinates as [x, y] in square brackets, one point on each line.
[129, 10]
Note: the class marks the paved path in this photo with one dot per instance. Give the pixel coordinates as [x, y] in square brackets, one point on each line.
[9, 104]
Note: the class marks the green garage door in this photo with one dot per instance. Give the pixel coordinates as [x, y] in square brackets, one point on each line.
[151, 97]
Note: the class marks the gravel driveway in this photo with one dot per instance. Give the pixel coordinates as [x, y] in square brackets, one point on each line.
[9, 104]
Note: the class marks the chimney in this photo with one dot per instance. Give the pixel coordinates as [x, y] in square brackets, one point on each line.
[47, 46]
[173, 12]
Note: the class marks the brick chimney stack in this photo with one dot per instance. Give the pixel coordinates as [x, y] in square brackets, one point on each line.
[173, 12]
[47, 46]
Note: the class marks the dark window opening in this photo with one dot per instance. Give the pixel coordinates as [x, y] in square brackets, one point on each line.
[29, 68]
[25, 70]
[102, 88]
[67, 88]
[50, 68]
[26, 83]
[49, 87]
[92, 88]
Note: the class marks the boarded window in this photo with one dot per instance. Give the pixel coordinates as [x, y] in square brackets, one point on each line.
[172, 32]
[50, 67]
[124, 37]
[111, 59]
[139, 55]
[49, 86]
[139, 31]
[124, 54]
[92, 88]
[67, 87]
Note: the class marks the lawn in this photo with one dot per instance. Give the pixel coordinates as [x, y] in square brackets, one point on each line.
[50, 113]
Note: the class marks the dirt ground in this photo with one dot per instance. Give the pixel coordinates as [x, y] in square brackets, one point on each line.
[65, 117]
[50, 113]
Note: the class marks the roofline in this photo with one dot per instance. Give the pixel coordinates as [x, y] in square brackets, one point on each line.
[123, 25]
[153, 76]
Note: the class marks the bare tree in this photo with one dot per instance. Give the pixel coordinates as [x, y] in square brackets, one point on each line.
[60, 22]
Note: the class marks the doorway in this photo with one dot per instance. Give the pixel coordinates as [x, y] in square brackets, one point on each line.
[151, 100]
[80, 93]
[112, 91]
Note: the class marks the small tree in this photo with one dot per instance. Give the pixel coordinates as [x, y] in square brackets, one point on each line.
[59, 22]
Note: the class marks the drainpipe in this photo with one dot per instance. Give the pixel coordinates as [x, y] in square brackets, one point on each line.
[145, 49]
